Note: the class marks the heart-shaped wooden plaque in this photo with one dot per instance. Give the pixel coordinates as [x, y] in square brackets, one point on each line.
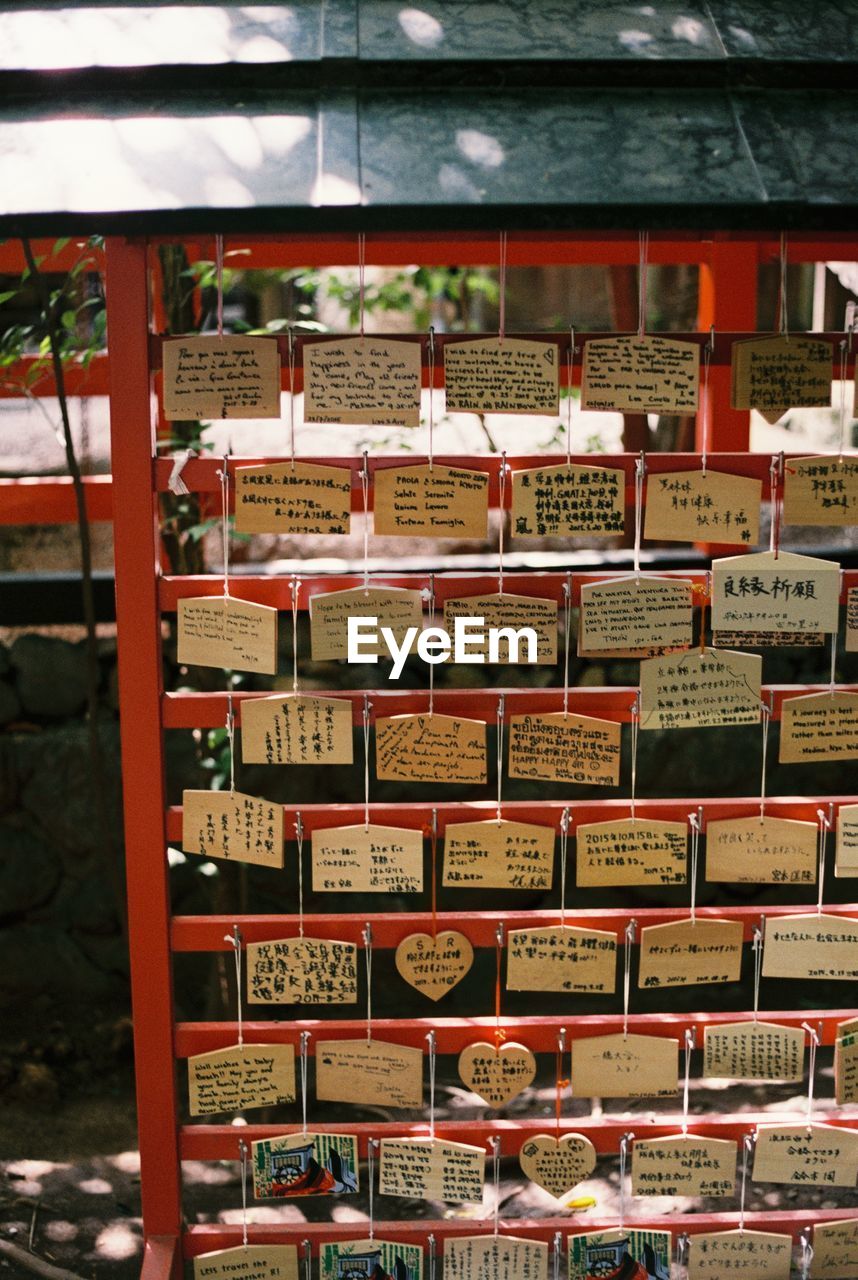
[496, 1074]
[433, 966]
[557, 1165]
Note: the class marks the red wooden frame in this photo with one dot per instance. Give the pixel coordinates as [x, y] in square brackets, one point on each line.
[147, 711]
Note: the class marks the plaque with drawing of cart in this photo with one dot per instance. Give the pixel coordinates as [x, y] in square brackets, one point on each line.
[305, 1164]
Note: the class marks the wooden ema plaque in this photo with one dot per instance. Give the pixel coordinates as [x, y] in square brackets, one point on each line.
[227, 633]
[761, 850]
[431, 1169]
[301, 971]
[293, 498]
[368, 381]
[221, 377]
[430, 748]
[684, 1165]
[346, 1258]
[232, 826]
[241, 1077]
[565, 501]
[755, 1255]
[619, 1066]
[835, 1250]
[636, 616]
[560, 747]
[846, 1063]
[433, 965]
[305, 1164]
[396, 608]
[369, 1074]
[846, 858]
[753, 1051]
[367, 859]
[632, 851]
[811, 946]
[700, 690]
[296, 728]
[491, 1257]
[562, 958]
[423, 501]
[557, 1165]
[498, 855]
[513, 375]
[807, 1155]
[687, 952]
[249, 1262]
[693, 506]
[636, 1252]
[821, 491]
[780, 372]
[633, 374]
[496, 1073]
[509, 614]
[775, 591]
[819, 726]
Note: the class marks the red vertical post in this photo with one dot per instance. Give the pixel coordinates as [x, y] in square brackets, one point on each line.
[728, 299]
[140, 688]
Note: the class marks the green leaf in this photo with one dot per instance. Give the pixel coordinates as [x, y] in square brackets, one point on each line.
[9, 293]
[60, 244]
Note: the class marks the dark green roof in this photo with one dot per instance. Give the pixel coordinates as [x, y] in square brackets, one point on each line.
[342, 114]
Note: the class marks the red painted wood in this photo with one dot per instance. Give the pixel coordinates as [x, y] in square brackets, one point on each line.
[162, 1258]
[453, 1034]
[50, 500]
[142, 744]
[206, 933]
[208, 710]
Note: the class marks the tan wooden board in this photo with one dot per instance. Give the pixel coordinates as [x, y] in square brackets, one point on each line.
[632, 374]
[423, 501]
[431, 1169]
[618, 1066]
[367, 859]
[684, 1165]
[293, 498]
[811, 946]
[821, 491]
[241, 1077]
[498, 855]
[819, 726]
[561, 958]
[491, 1257]
[565, 748]
[220, 631]
[557, 1165]
[767, 639]
[835, 1250]
[686, 952]
[693, 506]
[434, 964]
[497, 1074]
[301, 1164]
[369, 1074]
[846, 856]
[249, 1262]
[753, 1051]
[485, 375]
[761, 850]
[296, 728]
[567, 501]
[214, 377]
[631, 851]
[512, 613]
[301, 971]
[368, 381]
[700, 690]
[343, 1259]
[396, 608]
[816, 1155]
[233, 826]
[430, 748]
[780, 372]
[634, 615]
[755, 1255]
[766, 591]
[625, 1251]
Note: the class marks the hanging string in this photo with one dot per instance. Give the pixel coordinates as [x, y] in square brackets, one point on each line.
[501, 518]
[705, 404]
[242, 1155]
[432, 1257]
[234, 940]
[833, 660]
[747, 1148]
[304, 1052]
[635, 728]
[371, 1148]
[295, 587]
[567, 638]
[765, 720]
[560, 1083]
[308, 1259]
[230, 737]
[824, 824]
[431, 396]
[299, 840]
[782, 290]
[806, 1255]
[430, 1040]
[564, 847]
[430, 613]
[775, 472]
[367, 707]
[811, 1067]
[502, 288]
[367, 946]
[434, 871]
[364, 485]
[556, 1255]
[757, 948]
[683, 1247]
[495, 1143]
[631, 930]
[291, 364]
[570, 364]
[690, 1039]
[696, 822]
[361, 281]
[501, 705]
[640, 472]
[842, 399]
[223, 476]
[643, 247]
[219, 275]
[624, 1158]
[500, 1034]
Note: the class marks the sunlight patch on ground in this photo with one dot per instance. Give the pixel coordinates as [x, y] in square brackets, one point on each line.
[117, 1241]
[95, 1186]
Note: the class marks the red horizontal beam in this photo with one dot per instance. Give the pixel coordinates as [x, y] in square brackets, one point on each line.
[220, 1141]
[452, 1035]
[200, 474]
[51, 500]
[208, 710]
[207, 933]
[207, 1237]
[316, 817]
[547, 584]
[36, 375]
